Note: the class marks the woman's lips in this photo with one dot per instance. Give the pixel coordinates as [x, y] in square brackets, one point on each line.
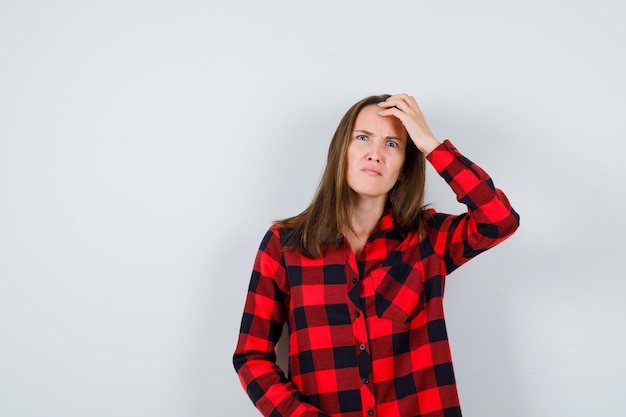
[371, 171]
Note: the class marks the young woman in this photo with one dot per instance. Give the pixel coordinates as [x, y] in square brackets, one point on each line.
[359, 275]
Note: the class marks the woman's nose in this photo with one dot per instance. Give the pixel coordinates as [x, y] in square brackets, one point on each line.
[374, 154]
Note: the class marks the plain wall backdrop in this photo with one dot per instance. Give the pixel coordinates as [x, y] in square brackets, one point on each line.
[146, 146]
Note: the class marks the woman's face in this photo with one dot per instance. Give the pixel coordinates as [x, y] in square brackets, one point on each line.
[375, 153]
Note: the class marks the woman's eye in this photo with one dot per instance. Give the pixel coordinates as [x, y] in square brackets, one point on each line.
[361, 137]
[392, 144]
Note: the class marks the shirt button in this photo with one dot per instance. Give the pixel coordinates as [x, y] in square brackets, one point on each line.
[362, 346]
[366, 381]
[357, 314]
[370, 411]
[354, 280]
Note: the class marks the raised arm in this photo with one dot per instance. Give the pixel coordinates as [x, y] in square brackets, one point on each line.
[489, 219]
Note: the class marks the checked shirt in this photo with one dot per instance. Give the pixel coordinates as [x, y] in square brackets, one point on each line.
[367, 335]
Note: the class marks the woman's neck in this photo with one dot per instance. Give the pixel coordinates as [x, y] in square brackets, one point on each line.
[365, 217]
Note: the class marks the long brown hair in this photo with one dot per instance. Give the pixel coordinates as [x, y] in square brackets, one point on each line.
[322, 223]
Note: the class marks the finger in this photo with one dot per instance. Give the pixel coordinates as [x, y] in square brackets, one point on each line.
[394, 111]
[404, 102]
[398, 104]
[402, 97]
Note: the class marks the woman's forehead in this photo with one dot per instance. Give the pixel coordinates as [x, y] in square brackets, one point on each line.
[368, 120]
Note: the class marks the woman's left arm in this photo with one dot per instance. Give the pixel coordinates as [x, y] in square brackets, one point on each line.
[489, 219]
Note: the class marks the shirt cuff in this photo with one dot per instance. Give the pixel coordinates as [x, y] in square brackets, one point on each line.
[443, 154]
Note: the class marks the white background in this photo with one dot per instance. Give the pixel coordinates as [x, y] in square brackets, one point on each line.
[146, 146]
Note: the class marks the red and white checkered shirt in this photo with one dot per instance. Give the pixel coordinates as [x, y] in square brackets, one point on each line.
[367, 335]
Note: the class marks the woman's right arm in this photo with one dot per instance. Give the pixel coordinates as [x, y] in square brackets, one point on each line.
[265, 312]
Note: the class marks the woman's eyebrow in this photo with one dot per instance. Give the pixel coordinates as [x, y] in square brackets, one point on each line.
[365, 132]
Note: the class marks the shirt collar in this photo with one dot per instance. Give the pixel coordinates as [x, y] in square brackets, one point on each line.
[387, 227]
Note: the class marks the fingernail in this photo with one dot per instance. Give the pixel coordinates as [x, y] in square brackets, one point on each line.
[380, 113]
[378, 104]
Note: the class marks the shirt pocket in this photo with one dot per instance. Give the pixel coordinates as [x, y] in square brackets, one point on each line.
[398, 293]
